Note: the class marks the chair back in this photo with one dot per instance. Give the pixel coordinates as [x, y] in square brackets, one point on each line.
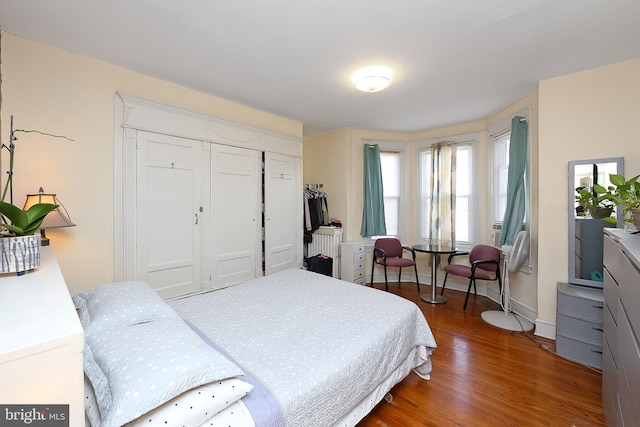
[391, 246]
[485, 253]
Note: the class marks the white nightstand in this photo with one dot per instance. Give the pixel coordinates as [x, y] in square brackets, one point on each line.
[353, 261]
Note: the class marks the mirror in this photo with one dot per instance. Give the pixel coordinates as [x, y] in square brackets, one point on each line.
[585, 229]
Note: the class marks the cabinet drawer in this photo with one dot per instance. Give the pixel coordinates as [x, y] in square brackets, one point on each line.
[629, 282]
[361, 281]
[609, 387]
[629, 372]
[610, 292]
[611, 334]
[358, 274]
[580, 308]
[579, 351]
[358, 258]
[611, 257]
[580, 330]
[358, 249]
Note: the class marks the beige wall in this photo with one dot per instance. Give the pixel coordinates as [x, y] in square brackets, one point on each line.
[62, 93]
[586, 115]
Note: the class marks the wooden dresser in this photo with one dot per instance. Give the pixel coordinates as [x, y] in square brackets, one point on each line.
[42, 340]
[621, 348]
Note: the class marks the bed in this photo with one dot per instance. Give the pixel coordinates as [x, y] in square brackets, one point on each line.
[294, 348]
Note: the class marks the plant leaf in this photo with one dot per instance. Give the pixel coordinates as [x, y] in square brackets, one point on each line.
[17, 216]
[38, 212]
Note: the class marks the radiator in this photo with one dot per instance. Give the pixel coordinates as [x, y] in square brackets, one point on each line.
[326, 241]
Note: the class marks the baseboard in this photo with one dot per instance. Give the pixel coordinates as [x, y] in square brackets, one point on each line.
[545, 329]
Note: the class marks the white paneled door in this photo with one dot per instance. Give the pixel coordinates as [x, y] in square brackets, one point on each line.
[236, 215]
[283, 217]
[169, 213]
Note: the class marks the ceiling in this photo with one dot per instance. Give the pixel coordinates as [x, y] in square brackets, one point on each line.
[454, 61]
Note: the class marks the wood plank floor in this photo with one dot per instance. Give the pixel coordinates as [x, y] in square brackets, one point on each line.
[486, 376]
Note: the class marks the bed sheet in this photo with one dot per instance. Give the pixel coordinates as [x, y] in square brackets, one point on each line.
[321, 345]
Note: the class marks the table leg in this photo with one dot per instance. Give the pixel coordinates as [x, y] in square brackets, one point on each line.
[433, 298]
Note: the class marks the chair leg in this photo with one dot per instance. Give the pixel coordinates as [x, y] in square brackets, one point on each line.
[373, 264]
[415, 267]
[468, 292]
[444, 283]
[386, 282]
[399, 275]
[475, 290]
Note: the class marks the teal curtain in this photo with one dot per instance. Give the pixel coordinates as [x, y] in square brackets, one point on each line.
[442, 224]
[516, 196]
[373, 210]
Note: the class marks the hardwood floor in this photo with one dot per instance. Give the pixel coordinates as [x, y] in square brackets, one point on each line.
[486, 376]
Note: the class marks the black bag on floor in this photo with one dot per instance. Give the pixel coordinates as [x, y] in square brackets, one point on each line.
[320, 264]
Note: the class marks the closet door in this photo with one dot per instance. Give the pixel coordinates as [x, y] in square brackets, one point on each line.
[283, 212]
[168, 207]
[236, 215]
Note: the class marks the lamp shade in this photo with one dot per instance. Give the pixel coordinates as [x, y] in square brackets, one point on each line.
[56, 218]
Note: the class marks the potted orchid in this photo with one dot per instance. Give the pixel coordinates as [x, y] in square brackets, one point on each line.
[19, 240]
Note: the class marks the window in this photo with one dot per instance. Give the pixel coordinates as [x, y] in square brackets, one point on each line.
[464, 188]
[390, 163]
[501, 172]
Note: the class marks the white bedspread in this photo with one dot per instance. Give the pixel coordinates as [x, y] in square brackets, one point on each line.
[320, 344]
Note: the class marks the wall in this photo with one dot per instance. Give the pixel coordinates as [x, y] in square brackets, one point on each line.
[586, 115]
[58, 92]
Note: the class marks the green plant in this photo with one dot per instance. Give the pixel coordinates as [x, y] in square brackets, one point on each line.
[13, 220]
[598, 206]
[622, 192]
[23, 223]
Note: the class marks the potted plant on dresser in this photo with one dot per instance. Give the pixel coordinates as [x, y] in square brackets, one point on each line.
[19, 237]
[624, 193]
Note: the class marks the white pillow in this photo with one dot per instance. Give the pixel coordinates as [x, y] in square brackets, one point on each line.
[235, 415]
[120, 304]
[147, 364]
[195, 406]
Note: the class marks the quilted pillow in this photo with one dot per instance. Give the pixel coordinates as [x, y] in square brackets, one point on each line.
[120, 304]
[148, 364]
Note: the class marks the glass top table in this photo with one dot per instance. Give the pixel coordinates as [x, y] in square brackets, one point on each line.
[435, 251]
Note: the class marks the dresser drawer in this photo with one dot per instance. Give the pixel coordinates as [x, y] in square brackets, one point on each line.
[580, 330]
[580, 307]
[579, 351]
[610, 292]
[361, 281]
[358, 274]
[611, 257]
[629, 372]
[609, 387]
[358, 258]
[611, 334]
[629, 282]
[358, 249]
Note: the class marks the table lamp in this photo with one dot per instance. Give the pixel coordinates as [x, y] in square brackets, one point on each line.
[55, 219]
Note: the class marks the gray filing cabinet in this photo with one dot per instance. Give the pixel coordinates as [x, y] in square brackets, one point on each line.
[579, 324]
[352, 262]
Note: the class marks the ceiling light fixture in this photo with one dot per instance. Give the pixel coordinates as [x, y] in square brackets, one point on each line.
[372, 79]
